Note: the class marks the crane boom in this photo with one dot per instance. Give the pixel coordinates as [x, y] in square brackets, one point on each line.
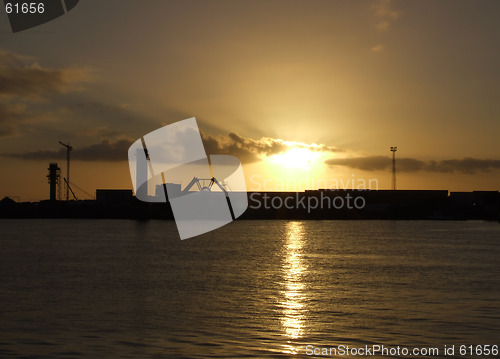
[68, 150]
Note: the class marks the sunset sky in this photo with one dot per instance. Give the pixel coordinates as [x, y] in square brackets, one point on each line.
[305, 93]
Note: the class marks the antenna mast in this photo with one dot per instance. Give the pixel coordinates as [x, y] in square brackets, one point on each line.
[393, 150]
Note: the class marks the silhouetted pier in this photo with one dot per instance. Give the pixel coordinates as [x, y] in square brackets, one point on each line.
[308, 205]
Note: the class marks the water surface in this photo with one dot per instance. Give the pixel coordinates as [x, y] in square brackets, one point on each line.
[132, 289]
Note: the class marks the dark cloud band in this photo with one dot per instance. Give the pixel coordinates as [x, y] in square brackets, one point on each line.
[380, 163]
[104, 151]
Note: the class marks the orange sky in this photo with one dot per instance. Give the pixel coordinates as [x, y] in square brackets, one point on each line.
[261, 77]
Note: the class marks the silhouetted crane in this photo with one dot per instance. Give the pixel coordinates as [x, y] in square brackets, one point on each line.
[203, 187]
[68, 150]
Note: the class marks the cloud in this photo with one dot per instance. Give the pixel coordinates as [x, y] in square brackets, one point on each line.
[22, 77]
[100, 132]
[80, 121]
[116, 116]
[385, 14]
[466, 165]
[380, 163]
[106, 151]
[24, 83]
[378, 48]
[250, 150]
[10, 114]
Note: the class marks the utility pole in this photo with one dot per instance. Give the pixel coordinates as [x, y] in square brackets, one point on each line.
[68, 150]
[393, 150]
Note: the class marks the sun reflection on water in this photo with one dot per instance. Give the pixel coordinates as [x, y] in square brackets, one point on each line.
[293, 307]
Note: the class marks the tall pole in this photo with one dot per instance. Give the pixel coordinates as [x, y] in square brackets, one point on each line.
[67, 173]
[68, 149]
[393, 150]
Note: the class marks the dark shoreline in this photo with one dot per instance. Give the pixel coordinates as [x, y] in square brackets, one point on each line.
[308, 205]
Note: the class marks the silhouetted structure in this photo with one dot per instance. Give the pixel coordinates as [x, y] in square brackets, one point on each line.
[54, 179]
[475, 205]
[141, 173]
[173, 189]
[114, 195]
[322, 204]
[393, 150]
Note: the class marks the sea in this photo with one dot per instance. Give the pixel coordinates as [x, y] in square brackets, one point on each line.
[79, 288]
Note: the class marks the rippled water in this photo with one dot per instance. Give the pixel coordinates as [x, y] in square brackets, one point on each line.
[118, 289]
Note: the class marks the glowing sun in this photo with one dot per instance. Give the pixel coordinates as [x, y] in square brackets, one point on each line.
[302, 158]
